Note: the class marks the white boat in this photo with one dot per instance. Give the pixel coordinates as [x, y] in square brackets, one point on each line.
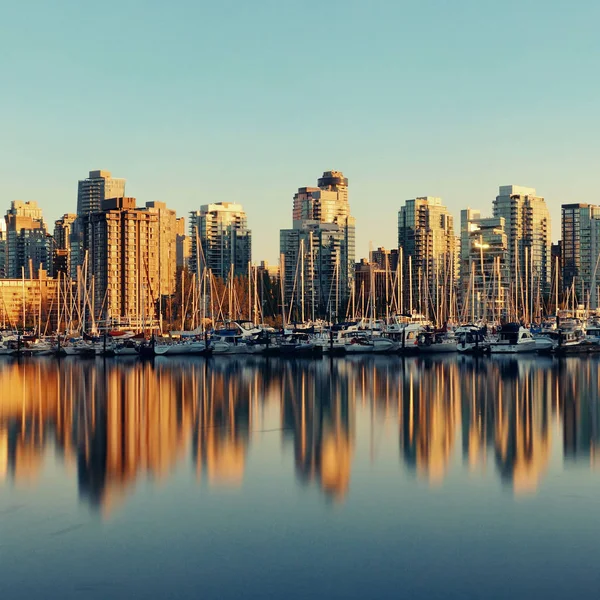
[329, 343]
[178, 349]
[512, 339]
[5, 350]
[570, 334]
[228, 344]
[361, 342]
[41, 348]
[432, 342]
[472, 340]
[126, 348]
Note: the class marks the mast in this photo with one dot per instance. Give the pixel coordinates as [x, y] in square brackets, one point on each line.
[23, 295]
[302, 280]
[182, 305]
[527, 290]
[410, 284]
[399, 277]
[483, 291]
[556, 286]
[282, 286]
[312, 278]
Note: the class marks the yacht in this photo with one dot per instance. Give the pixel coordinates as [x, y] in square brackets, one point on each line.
[126, 348]
[361, 342]
[472, 340]
[432, 342]
[513, 338]
[299, 344]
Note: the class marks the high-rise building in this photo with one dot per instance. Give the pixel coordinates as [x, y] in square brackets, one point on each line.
[91, 193]
[319, 251]
[183, 245]
[484, 271]
[220, 239]
[427, 243]
[99, 186]
[386, 260]
[123, 257]
[580, 226]
[63, 229]
[28, 245]
[528, 227]
[167, 246]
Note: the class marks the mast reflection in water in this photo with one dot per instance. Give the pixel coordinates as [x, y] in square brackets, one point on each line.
[121, 422]
[353, 478]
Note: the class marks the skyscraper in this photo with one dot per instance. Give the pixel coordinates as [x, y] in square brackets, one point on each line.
[167, 246]
[220, 239]
[484, 271]
[91, 193]
[99, 186]
[183, 245]
[28, 245]
[529, 232]
[580, 226]
[426, 237]
[63, 229]
[123, 254]
[319, 251]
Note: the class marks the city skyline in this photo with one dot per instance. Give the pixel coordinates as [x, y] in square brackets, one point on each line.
[385, 240]
[408, 118]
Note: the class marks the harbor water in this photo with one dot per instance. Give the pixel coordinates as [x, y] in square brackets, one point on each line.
[355, 477]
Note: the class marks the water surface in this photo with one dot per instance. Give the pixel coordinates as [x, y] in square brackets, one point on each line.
[370, 477]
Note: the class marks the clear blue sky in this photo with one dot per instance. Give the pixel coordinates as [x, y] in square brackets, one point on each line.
[195, 102]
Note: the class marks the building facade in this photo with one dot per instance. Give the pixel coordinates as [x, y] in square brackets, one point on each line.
[183, 245]
[529, 233]
[427, 243]
[484, 274]
[580, 228]
[28, 247]
[220, 239]
[91, 193]
[318, 253]
[63, 230]
[167, 246]
[123, 258]
[99, 186]
[30, 303]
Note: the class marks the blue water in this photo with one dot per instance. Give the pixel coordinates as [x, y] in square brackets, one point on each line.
[356, 478]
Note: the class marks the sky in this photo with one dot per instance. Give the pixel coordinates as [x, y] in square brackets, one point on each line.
[195, 102]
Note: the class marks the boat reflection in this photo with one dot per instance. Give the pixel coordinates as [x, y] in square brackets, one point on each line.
[113, 425]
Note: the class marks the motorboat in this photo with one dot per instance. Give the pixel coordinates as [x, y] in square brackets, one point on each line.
[299, 344]
[472, 340]
[513, 338]
[178, 348]
[126, 348]
[361, 342]
[225, 342]
[433, 342]
[330, 343]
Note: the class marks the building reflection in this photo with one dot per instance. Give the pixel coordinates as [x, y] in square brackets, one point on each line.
[115, 425]
[316, 415]
[222, 423]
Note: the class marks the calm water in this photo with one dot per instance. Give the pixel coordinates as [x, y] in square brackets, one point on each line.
[357, 478]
